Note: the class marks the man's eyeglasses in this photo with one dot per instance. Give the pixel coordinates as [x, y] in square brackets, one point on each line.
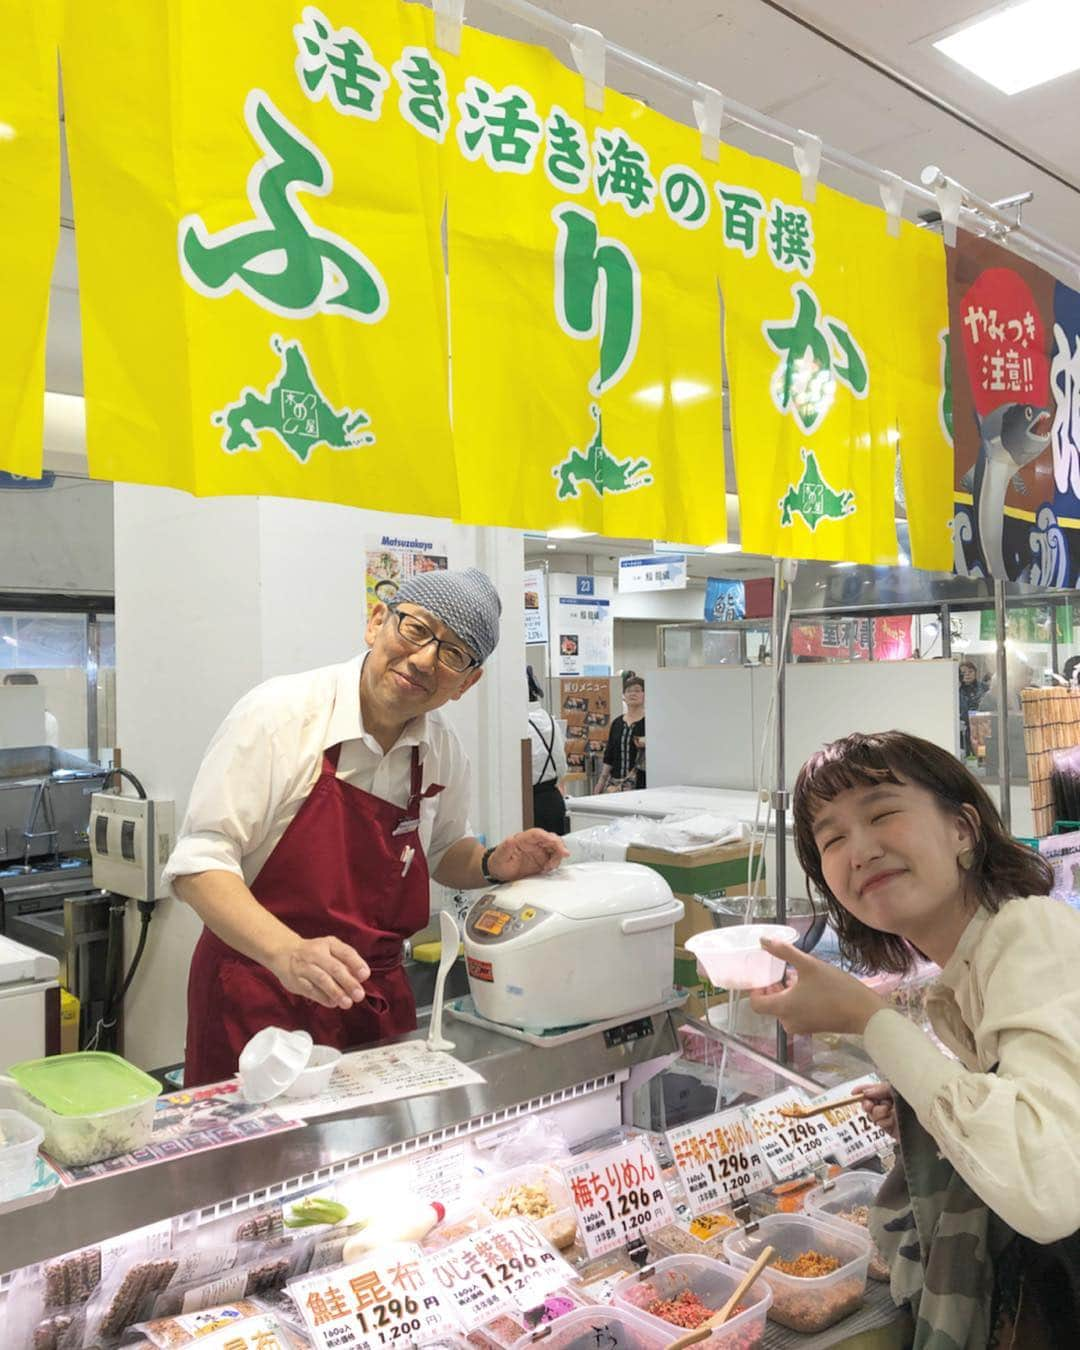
[417, 634]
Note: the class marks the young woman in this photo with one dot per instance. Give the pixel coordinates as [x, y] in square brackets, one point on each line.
[911, 857]
[624, 758]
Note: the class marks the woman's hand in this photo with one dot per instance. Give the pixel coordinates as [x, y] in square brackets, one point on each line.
[821, 998]
[880, 1105]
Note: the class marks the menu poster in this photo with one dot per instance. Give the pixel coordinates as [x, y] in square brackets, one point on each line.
[585, 705]
[536, 614]
[718, 1160]
[619, 1195]
[390, 561]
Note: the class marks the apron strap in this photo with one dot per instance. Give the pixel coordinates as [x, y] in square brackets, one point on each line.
[416, 796]
[331, 755]
[549, 746]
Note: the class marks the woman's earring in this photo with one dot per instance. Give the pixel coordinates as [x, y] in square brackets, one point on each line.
[966, 858]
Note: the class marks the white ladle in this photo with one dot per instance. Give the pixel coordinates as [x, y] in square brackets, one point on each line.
[450, 939]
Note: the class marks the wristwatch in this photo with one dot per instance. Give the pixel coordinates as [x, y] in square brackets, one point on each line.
[485, 872]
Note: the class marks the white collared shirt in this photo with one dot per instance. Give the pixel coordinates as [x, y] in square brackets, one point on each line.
[1007, 1000]
[267, 754]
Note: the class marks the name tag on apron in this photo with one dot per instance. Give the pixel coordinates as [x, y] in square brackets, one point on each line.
[407, 827]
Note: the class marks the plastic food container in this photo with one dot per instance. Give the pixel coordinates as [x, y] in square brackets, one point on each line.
[90, 1105]
[843, 1201]
[713, 1283]
[679, 1239]
[807, 1305]
[272, 1061]
[509, 1328]
[20, 1139]
[314, 1079]
[534, 1192]
[609, 1328]
[733, 958]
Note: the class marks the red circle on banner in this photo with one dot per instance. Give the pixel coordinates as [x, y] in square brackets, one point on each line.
[1004, 342]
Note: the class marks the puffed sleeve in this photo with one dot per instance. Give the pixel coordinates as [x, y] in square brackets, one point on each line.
[1011, 1134]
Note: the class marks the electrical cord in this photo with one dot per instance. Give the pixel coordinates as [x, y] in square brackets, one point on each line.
[107, 1021]
[125, 773]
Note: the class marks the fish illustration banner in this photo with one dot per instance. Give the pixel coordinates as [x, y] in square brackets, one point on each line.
[29, 222]
[1014, 352]
[260, 264]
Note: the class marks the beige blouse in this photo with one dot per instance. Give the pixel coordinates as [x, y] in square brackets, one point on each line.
[1008, 999]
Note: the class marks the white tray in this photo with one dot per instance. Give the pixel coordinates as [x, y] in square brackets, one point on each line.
[464, 1009]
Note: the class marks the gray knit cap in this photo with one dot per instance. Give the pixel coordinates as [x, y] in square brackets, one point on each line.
[465, 601]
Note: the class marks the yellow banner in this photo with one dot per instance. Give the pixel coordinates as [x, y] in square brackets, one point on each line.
[260, 264]
[29, 222]
[585, 317]
[831, 328]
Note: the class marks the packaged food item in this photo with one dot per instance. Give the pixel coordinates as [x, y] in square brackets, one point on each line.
[703, 1236]
[183, 1329]
[458, 1224]
[538, 1193]
[410, 1220]
[508, 1328]
[684, 1291]
[72, 1278]
[601, 1329]
[849, 1199]
[269, 1270]
[806, 1302]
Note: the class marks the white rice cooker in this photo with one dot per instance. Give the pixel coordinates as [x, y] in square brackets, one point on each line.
[584, 943]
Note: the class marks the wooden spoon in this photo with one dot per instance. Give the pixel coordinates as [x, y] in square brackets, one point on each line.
[703, 1332]
[801, 1112]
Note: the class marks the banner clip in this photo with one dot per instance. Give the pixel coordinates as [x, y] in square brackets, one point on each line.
[892, 198]
[449, 17]
[589, 50]
[949, 199]
[709, 112]
[808, 163]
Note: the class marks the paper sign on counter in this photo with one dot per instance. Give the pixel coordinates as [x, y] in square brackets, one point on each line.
[440, 1174]
[387, 1298]
[718, 1159]
[853, 1136]
[787, 1144]
[619, 1195]
[386, 1074]
[508, 1265]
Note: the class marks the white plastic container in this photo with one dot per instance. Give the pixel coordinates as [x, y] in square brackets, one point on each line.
[733, 958]
[613, 1328]
[272, 1061]
[509, 1328]
[807, 1305]
[506, 1195]
[315, 1078]
[849, 1192]
[20, 1139]
[713, 1282]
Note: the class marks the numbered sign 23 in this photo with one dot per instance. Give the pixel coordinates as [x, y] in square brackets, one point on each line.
[619, 1194]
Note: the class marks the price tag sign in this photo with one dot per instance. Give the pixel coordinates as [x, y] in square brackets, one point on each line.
[618, 1195]
[440, 1174]
[509, 1265]
[718, 1160]
[853, 1136]
[386, 1299]
[788, 1145]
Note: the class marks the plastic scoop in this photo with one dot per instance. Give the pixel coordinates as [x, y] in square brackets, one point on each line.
[451, 940]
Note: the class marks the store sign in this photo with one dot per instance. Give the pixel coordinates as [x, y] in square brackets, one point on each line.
[725, 601]
[788, 1145]
[653, 573]
[536, 616]
[585, 635]
[387, 1298]
[853, 1136]
[718, 1160]
[619, 1195]
[507, 1265]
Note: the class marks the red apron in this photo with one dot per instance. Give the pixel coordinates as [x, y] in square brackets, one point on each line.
[336, 871]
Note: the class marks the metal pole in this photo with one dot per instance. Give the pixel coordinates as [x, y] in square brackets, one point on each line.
[946, 632]
[93, 657]
[1054, 655]
[1004, 767]
[779, 795]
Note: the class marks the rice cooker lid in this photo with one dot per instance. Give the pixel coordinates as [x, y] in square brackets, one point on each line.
[579, 891]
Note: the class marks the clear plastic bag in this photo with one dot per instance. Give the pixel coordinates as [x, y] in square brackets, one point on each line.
[537, 1140]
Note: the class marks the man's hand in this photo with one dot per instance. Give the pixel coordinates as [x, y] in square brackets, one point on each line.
[822, 998]
[527, 855]
[325, 970]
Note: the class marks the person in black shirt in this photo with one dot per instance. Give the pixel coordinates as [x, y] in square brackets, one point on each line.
[624, 758]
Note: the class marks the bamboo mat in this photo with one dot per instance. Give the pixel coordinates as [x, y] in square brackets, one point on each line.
[1051, 722]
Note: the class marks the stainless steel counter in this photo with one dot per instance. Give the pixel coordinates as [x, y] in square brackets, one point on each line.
[518, 1078]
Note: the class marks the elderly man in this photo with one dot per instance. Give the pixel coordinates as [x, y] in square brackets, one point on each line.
[325, 802]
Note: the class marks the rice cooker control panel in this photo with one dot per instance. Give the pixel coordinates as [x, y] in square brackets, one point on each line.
[488, 924]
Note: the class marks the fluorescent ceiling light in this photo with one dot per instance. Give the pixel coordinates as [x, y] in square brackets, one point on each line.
[843, 564]
[722, 548]
[1020, 47]
[569, 532]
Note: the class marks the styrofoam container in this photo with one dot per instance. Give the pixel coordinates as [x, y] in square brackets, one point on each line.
[713, 1282]
[20, 1139]
[733, 958]
[500, 1184]
[272, 1061]
[613, 1328]
[808, 1305]
[315, 1078]
[846, 1192]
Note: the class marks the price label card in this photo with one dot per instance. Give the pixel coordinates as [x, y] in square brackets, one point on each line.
[718, 1160]
[509, 1265]
[788, 1145]
[440, 1174]
[386, 1299]
[853, 1136]
[618, 1194]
